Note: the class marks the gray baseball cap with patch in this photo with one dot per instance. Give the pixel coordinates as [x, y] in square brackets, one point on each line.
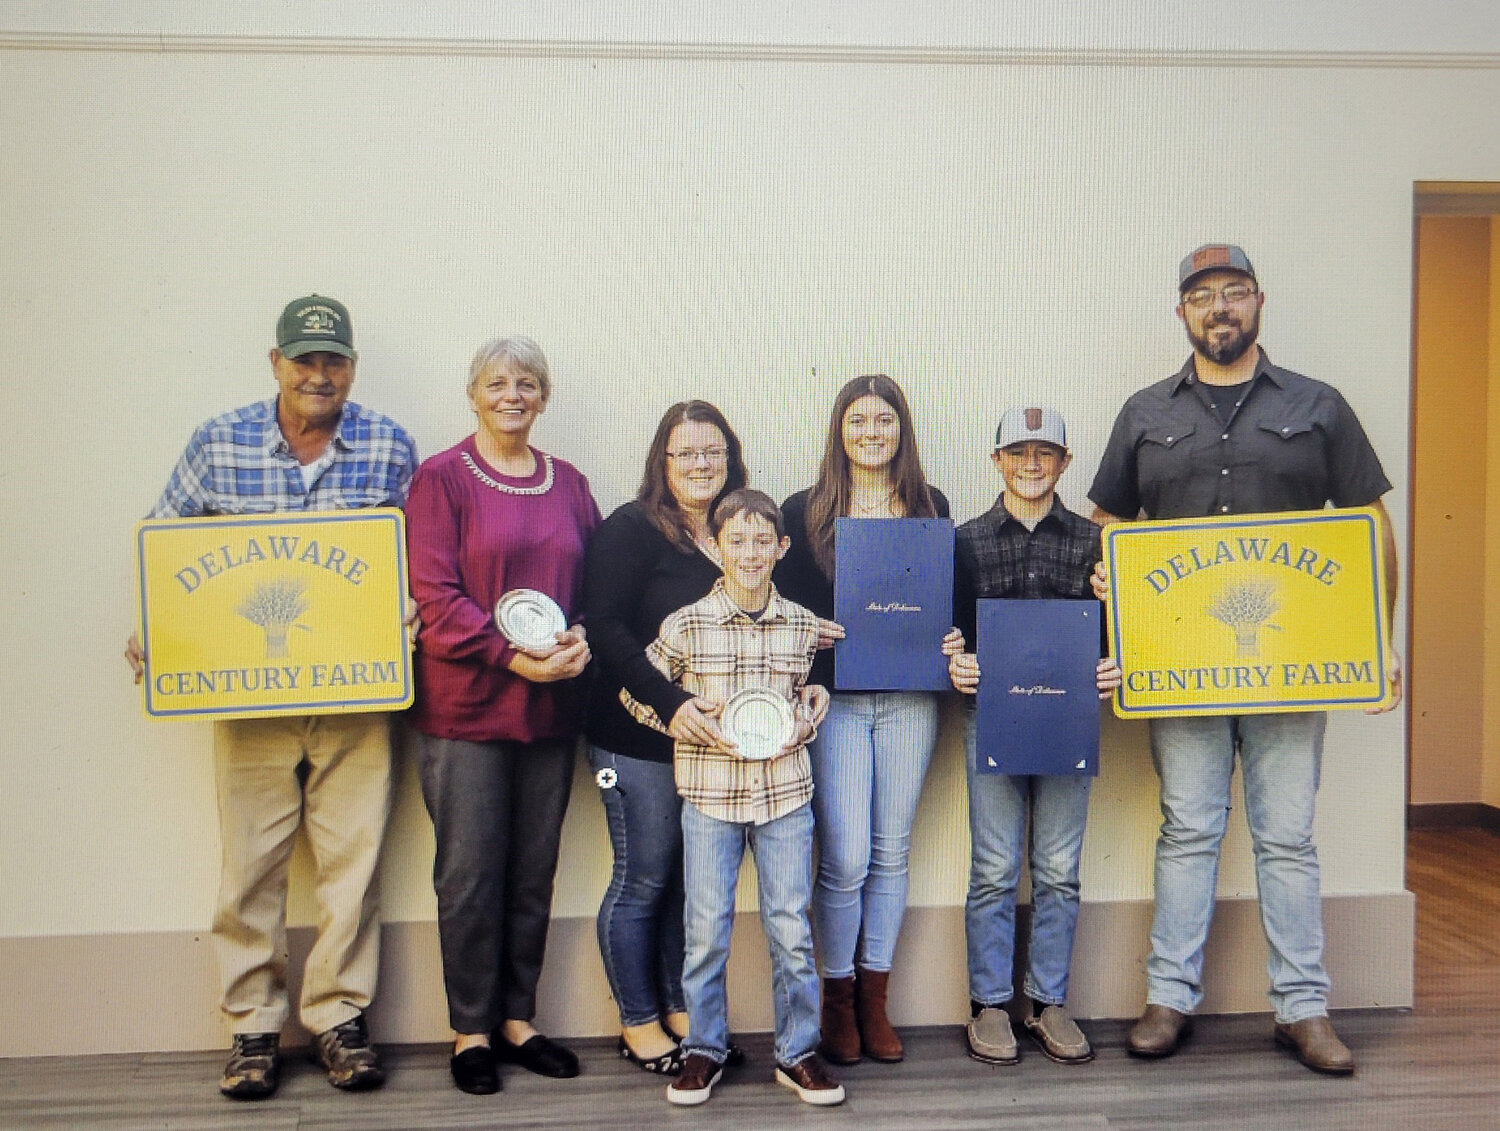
[315, 323]
[1213, 257]
[1019, 425]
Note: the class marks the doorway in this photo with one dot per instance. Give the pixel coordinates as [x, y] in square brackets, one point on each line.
[1453, 631]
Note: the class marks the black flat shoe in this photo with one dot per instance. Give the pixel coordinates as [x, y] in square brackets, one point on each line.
[667, 1064]
[474, 1071]
[541, 1055]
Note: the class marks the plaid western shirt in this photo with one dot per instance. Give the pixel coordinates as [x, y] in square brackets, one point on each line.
[240, 463]
[713, 648]
[996, 556]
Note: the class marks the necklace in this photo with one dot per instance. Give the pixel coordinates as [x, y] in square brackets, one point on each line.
[881, 508]
[506, 489]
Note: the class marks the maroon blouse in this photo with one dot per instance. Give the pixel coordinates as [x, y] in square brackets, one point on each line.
[473, 534]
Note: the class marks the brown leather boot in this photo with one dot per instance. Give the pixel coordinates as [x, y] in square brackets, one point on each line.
[875, 1033]
[840, 1035]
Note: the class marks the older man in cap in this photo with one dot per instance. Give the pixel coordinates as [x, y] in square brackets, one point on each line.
[1232, 433]
[308, 448]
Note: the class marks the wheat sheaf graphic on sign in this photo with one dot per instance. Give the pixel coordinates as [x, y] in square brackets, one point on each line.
[275, 607]
[1246, 607]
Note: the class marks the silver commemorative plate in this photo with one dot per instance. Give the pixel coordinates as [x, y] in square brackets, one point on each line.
[759, 722]
[529, 619]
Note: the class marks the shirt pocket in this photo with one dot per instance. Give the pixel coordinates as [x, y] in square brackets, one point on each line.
[1167, 436]
[1288, 430]
[712, 676]
[1166, 456]
[244, 504]
[1291, 454]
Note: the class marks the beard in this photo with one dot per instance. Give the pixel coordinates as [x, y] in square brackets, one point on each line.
[1228, 350]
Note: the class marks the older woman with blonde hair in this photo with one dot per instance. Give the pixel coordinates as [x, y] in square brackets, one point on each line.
[495, 723]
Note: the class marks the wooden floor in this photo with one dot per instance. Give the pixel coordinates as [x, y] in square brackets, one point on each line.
[1436, 1067]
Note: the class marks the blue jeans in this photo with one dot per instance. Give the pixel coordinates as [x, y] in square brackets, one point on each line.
[868, 763]
[1280, 758]
[998, 807]
[640, 920]
[713, 850]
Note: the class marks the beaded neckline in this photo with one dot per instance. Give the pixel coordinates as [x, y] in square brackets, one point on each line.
[505, 488]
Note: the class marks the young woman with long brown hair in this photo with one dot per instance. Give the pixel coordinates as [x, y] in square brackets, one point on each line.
[871, 753]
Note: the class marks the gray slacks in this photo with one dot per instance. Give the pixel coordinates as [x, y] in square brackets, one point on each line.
[497, 811]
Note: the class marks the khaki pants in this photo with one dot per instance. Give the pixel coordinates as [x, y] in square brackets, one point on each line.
[341, 797]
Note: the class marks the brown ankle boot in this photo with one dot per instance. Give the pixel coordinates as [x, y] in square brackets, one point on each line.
[875, 1033]
[840, 1036]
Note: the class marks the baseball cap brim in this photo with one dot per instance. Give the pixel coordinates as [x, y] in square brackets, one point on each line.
[316, 345]
[1187, 283]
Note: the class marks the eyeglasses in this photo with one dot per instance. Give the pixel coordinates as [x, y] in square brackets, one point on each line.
[1200, 297]
[690, 456]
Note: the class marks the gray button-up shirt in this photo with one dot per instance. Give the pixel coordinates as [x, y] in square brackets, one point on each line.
[1293, 444]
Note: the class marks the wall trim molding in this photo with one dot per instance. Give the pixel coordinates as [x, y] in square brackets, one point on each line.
[1454, 815]
[736, 52]
[158, 992]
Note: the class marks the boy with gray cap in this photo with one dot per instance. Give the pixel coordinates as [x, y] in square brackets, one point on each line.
[1029, 546]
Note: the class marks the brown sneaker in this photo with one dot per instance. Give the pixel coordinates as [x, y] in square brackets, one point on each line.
[351, 1061]
[695, 1082]
[1059, 1036]
[1159, 1032]
[1317, 1046]
[840, 1034]
[812, 1081]
[254, 1067]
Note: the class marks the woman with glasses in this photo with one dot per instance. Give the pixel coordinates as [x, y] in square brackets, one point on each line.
[871, 752]
[494, 724]
[649, 558]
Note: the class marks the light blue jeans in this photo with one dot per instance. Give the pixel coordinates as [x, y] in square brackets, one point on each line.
[712, 851]
[868, 763]
[999, 804]
[1280, 759]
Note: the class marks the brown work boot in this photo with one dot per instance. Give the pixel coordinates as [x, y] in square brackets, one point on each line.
[1317, 1046]
[812, 1082]
[1159, 1031]
[840, 1034]
[879, 1040]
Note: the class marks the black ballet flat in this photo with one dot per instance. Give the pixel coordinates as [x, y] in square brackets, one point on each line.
[667, 1064]
[474, 1071]
[539, 1054]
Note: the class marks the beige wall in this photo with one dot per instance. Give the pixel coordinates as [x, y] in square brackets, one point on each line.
[1491, 783]
[1449, 429]
[749, 228]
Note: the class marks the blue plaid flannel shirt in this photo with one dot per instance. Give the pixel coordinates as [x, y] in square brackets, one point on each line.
[240, 463]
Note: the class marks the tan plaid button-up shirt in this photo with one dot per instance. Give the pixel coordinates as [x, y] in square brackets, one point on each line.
[713, 648]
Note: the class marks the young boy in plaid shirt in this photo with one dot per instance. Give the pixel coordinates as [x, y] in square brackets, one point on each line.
[745, 635]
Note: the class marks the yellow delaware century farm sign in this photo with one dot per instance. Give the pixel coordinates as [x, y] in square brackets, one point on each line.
[260, 615]
[1248, 614]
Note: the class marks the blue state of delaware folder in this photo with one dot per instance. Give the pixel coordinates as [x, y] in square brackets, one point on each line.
[893, 593]
[1038, 709]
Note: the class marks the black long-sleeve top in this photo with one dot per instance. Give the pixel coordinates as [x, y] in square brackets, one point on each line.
[799, 578]
[633, 577]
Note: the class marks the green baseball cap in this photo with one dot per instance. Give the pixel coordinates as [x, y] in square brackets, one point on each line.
[315, 323]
